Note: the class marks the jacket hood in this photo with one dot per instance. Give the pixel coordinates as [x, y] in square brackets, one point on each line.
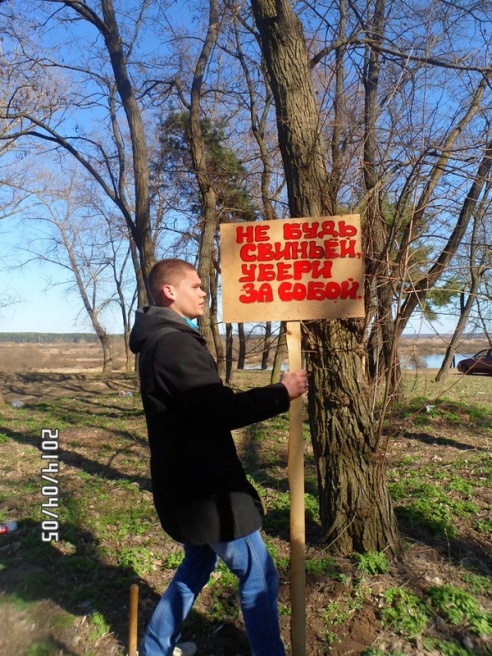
[152, 318]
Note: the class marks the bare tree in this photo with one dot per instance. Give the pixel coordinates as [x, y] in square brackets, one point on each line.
[480, 262]
[100, 82]
[355, 506]
[118, 240]
[85, 246]
[417, 189]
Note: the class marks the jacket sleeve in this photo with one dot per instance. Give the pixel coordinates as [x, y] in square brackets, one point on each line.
[188, 372]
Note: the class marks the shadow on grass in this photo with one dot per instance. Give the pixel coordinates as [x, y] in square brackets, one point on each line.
[258, 459]
[81, 583]
[74, 459]
[82, 578]
[81, 414]
[425, 438]
[44, 384]
[467, 553]
[91, 412]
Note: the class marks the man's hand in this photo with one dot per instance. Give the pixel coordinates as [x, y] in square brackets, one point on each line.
[296, 382]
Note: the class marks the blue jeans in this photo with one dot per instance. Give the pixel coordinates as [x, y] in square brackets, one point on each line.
[250, 561]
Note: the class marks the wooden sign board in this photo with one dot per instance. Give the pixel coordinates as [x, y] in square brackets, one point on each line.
[292, 269]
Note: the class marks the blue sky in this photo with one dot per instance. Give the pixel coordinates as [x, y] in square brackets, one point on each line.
[37, 308]
[38, 296]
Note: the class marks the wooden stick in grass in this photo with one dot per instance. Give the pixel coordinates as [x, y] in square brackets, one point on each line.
[296, 487]
[133, 621]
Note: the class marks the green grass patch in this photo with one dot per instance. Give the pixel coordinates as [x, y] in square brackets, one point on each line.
[405, 613]
[372, 562]
[99, 626]
[447, 648]
[139, 559]
[321, 567]
[41, 649]
[460, 608]
[478, 584]
[16, 599]
[224, 586]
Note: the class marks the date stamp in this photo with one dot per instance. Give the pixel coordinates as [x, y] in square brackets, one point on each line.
[50, 488]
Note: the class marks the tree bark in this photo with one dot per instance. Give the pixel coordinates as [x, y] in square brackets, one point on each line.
[265, 354]
[355, 506]
[114, 44]
[219, 347]
[241, 358]
[229, 353]
[137, 212]
[280, 352]
[104, 338]
[382, 353]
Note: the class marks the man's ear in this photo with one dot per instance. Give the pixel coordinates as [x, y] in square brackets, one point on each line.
[168, 293]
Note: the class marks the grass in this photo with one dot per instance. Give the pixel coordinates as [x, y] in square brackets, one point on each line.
[372, 562]
[404, 612]
[408, 614]
[74, 591]
[459, 608]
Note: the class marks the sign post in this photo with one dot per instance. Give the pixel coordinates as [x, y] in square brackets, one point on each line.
[297, 513]
[293, 270]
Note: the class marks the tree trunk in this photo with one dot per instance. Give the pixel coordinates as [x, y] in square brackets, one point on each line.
[458, 332]
[355, 507]
[476, 273]
[241, 358]
[114, 45]
[280, 352]
[205, 257]
[90, 308]
[208, 198]
[265, 354]
[382, 350]
[106, 344]
[129, 356]
[219, 347]
[140, 227]
[229, 353]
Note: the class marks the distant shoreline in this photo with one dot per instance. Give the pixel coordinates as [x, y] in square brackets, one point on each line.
[427, 344]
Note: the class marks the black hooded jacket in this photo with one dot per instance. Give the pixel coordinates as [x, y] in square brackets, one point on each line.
[200, 489]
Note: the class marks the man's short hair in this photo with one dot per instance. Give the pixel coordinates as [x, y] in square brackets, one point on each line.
[166, 272]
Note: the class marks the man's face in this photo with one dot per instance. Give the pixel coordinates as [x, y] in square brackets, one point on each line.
[188, 296]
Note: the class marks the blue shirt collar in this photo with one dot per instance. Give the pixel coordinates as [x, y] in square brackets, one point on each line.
[191, 323]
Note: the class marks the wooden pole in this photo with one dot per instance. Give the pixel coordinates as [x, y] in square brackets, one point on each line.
[133, 619]
[297, 517]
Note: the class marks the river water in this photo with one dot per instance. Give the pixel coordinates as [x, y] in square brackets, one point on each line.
[430, 361]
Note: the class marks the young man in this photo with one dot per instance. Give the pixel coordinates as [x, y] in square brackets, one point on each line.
[201, 492]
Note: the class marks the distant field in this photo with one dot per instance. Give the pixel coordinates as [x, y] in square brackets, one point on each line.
[73, 356]
[438, 344]
[59, 356]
